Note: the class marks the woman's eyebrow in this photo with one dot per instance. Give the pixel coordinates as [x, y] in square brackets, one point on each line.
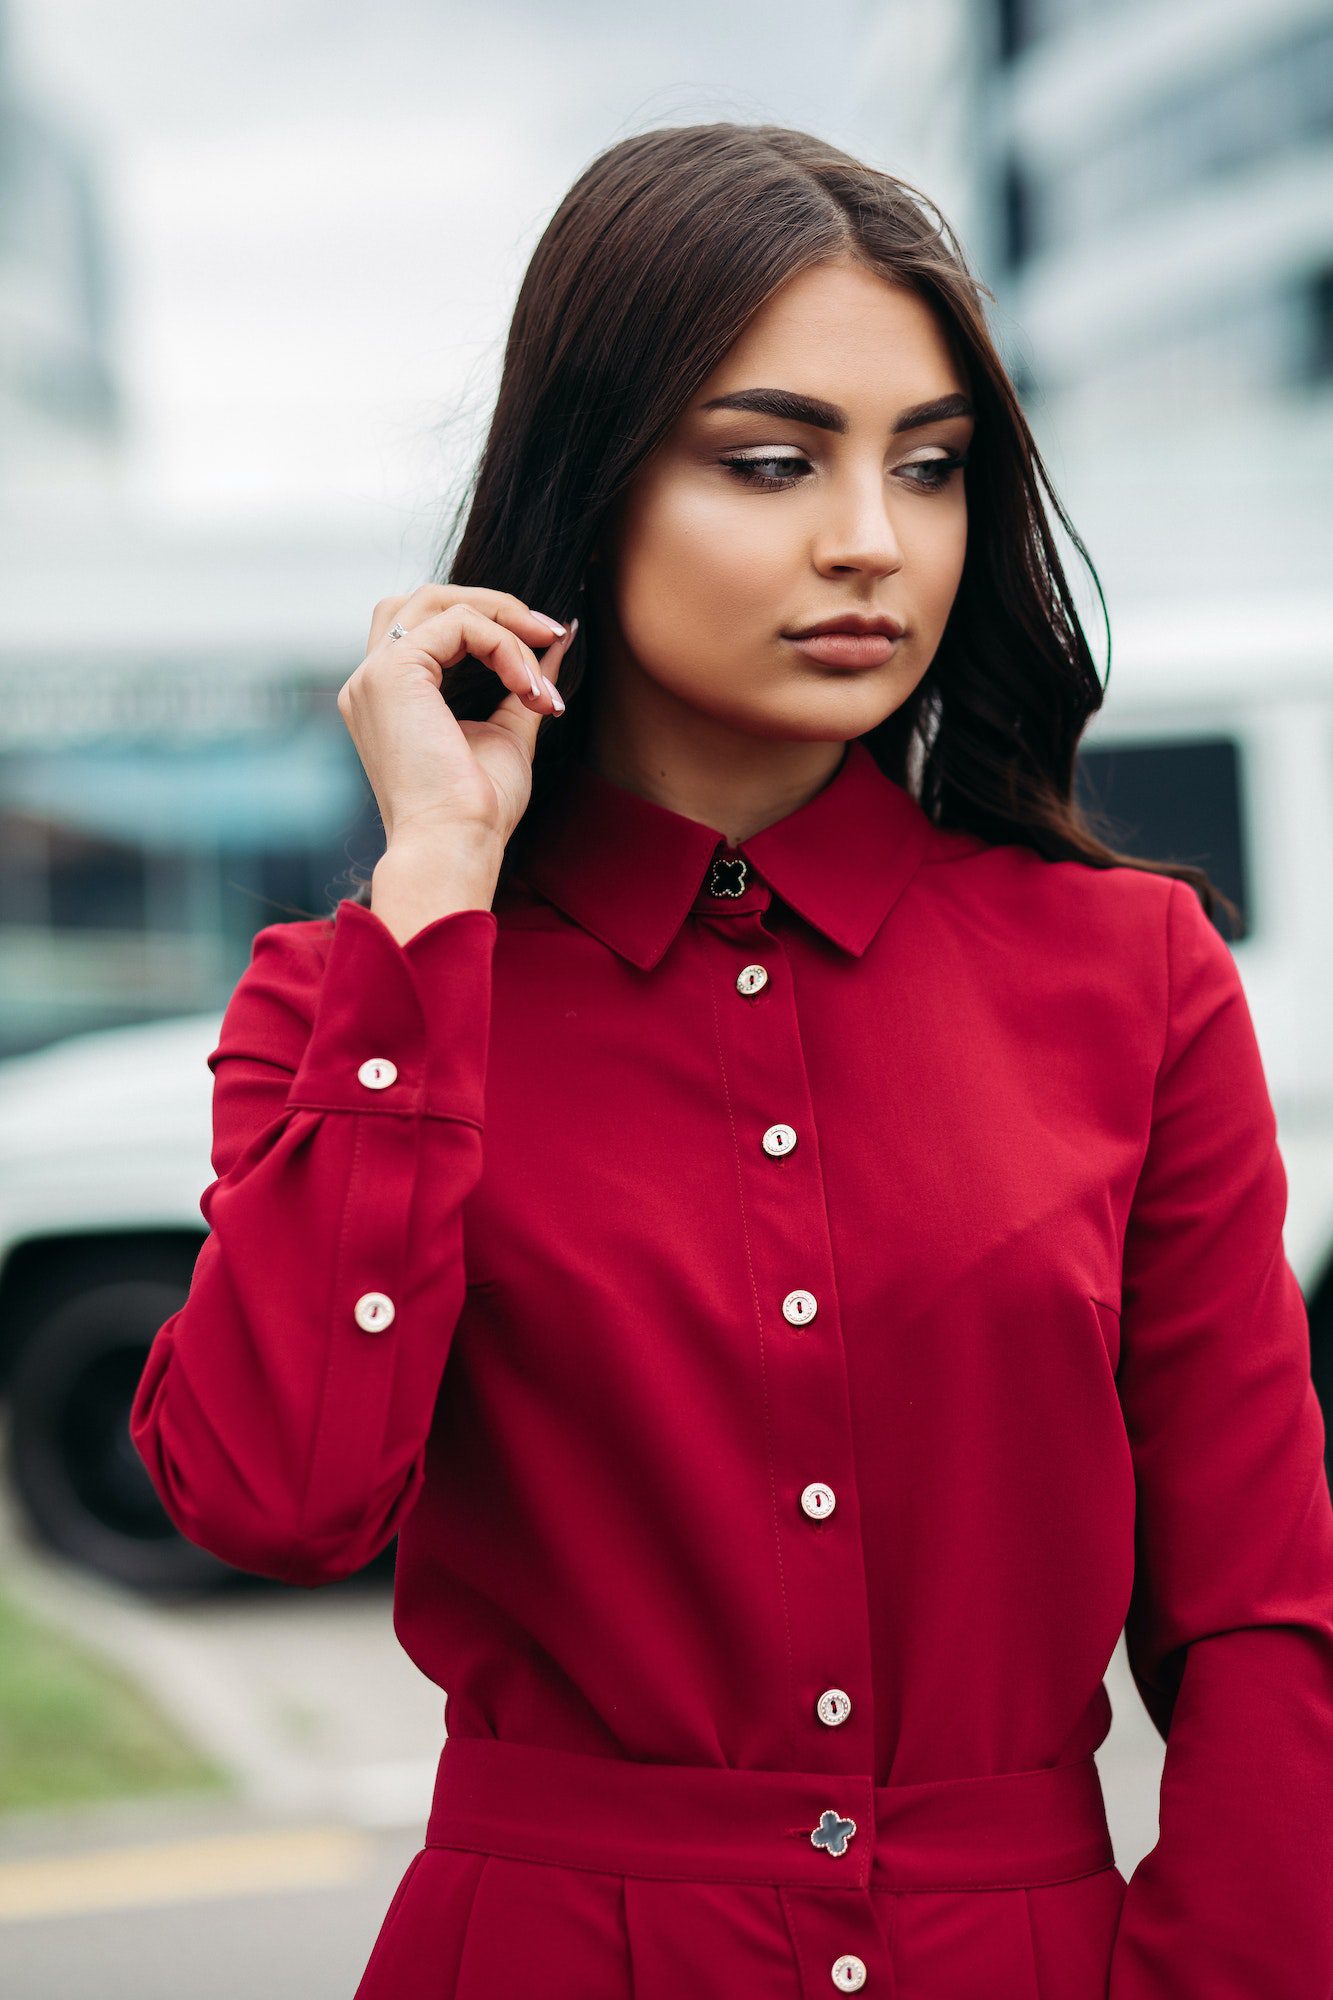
[789, 407]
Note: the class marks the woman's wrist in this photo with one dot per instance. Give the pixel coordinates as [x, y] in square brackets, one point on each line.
[419, 878]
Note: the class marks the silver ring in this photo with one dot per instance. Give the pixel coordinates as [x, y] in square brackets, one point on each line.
[397, 631]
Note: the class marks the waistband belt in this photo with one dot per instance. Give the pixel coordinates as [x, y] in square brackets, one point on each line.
[690, 1822]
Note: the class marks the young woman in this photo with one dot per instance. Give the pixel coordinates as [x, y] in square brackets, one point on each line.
[782, 1221]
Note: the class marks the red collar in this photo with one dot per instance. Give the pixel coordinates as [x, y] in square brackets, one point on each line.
[629, 870]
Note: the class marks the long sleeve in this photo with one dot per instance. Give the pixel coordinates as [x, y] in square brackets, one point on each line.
[1230, 1627]
[283, 1411]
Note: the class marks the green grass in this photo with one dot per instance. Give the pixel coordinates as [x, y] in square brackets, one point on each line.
[73, 1730]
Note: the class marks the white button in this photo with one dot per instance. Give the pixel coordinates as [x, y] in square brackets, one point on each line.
[377, 1073]
[817, 1500]
[834, 1706]
[374, 1311]
[751, 978]
[849, 1973]
[779, 1139]
[800, 1307]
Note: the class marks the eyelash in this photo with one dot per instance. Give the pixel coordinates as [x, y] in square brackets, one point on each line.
[941, 469]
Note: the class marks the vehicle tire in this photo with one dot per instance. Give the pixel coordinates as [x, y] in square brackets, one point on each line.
[83, 1485]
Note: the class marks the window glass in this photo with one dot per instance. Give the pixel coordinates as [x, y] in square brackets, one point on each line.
[1178, 800]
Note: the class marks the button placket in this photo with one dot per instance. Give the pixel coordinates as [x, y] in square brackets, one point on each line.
[840, 1935]
[808, 1400]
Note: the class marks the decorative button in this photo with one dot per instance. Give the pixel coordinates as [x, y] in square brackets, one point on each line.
[751, 978]
[374, 1311]
[817, 1500]
[849, 1973]
[833, 1832]
[377, 1073]
[834, 1706]
[800, 1307]
[779, 1139]
[726, 877]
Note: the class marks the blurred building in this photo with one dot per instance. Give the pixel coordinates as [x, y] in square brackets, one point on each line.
[59, 411]
[1147, 186]
[1163, 234]
[173, 769]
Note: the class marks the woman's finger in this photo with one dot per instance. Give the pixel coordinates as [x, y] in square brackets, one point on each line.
[451, 635]
[431, 598]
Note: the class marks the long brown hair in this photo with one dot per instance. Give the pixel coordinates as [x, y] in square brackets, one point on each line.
[642, 280]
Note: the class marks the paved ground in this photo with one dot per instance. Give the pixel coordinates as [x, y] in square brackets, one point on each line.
[332, 1735]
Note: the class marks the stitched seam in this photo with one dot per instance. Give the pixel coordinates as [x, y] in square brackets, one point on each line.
[1032, 1943]
[360, 1110]
[616, 1866]
[471, 1914]
[763, 1374]
[964, 1885]
[993, 1777]
[802, 1965]
[303, 1507]
[631, 1984]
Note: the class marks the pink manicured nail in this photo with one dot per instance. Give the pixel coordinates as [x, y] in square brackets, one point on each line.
[554, 693]
[559, 629]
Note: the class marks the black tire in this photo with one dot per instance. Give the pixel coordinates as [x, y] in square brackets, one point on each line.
[84, 1487]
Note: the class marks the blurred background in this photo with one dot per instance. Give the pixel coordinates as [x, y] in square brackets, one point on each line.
[256, 268]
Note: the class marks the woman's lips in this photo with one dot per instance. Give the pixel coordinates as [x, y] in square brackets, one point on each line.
[848, 649]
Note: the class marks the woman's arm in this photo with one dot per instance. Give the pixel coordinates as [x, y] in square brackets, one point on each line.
[283, 1410]
[1230, 1627]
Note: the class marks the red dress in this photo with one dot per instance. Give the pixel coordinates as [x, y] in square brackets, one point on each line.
[795, 1304]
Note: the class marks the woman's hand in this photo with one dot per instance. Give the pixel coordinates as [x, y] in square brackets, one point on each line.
[432, 775]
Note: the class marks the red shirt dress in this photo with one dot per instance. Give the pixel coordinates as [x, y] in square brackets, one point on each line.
[795, 1304]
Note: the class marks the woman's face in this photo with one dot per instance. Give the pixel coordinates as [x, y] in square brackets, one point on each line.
[744, 527]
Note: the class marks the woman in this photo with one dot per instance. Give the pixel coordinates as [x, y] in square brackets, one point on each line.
[781, 1219]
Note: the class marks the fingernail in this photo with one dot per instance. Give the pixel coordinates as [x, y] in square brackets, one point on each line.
[555, 627]
[554, 693]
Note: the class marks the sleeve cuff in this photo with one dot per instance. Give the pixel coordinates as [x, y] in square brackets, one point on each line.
[401, 1028]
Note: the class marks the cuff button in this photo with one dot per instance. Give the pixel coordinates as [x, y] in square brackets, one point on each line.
[377, 1073]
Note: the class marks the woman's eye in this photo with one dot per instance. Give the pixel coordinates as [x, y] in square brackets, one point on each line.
[938, 471]
[934, 473]
[744, 468]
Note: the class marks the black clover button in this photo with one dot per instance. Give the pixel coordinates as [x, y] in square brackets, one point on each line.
[833, 1832]
[727, 875]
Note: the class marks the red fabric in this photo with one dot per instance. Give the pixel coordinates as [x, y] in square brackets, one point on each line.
[692, 1821]
[653, 1824]
[1058, 1377]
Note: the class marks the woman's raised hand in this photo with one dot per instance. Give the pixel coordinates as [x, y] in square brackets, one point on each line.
[435, 777]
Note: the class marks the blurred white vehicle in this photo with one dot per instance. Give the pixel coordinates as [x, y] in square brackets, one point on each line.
[1204, 751]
